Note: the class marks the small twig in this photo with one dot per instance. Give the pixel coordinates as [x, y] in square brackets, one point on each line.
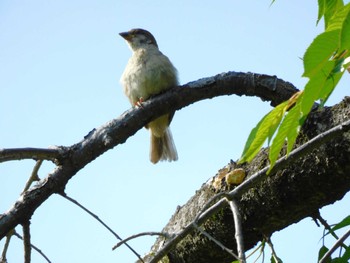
[261, 254]
[337, 244]
[139, 235]
[217, 242]
[6, 246]
[26, 242]
[34, 247]
[238, 230]
[101, 222]
[326, 225]
[34, 176]
[273, 252]
[315, 220]
[29, 153]
[253, 252]
[255, 249]
[329, 228]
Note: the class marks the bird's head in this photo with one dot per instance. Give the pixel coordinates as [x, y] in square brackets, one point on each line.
[139, 38]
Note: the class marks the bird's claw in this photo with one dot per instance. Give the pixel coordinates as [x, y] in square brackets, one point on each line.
[138, 103]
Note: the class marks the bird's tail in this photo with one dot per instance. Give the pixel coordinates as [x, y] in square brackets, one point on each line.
[163, 148]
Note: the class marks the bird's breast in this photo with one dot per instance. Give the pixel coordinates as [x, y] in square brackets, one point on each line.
[147, 75]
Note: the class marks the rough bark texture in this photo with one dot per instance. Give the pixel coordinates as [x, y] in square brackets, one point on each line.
[283, 198]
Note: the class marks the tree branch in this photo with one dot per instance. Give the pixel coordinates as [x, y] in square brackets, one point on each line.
[238, 229]
[273, 252]
[328, 227]
[74, 158]
[34, 176]
[34, 247]
[29, 153]
[64, 195]
[138, 235]
[295, 189]
[217, 242]
[337, 244]
[6, 246]
[26, 242]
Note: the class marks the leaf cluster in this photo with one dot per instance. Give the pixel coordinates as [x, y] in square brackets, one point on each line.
[324, 65]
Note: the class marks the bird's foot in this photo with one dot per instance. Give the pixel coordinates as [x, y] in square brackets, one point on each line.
[138, 103]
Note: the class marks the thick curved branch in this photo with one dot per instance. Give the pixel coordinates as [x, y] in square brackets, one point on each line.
[251, 182]
[74, 158]
[314, 175]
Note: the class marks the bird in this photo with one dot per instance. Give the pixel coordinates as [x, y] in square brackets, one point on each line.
[148, 73]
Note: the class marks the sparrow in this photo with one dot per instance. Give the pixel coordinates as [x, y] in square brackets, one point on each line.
[148, 73]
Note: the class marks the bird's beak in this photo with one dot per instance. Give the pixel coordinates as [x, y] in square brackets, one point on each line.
[125, 35]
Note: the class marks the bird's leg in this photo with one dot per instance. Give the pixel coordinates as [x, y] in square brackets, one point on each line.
[138, 103]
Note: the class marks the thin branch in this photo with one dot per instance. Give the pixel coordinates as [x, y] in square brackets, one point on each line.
[251, 181]
[238, 230]
[254, 251]
[262, 252]
[34, 247]
[6, 245]
[328, 227]
[337, 244]
[101, 222]
[29, 153]
[34, 176]
[217, 242]
[26, 242]
[273, 252]
[139, 235]
[237, 222]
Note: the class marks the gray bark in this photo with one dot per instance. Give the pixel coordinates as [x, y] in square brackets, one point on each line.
[284, 197]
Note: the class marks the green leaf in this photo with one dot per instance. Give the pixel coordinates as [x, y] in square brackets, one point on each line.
[311, 94]
[293, 134]
[320, 86]
[264, 130]
[346, 64]
[296, 117]
[324, 66]
[329, 85]
[323, 250]
[320, 51]
[288, 130]
[346, 255]
[321, 10]
[331, 8]
[345, 31]
[273, 260]
[338, 19]
[247, 151]
[339, 260]
[345, 222]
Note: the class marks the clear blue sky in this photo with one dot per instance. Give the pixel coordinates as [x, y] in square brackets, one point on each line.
[60, 64]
